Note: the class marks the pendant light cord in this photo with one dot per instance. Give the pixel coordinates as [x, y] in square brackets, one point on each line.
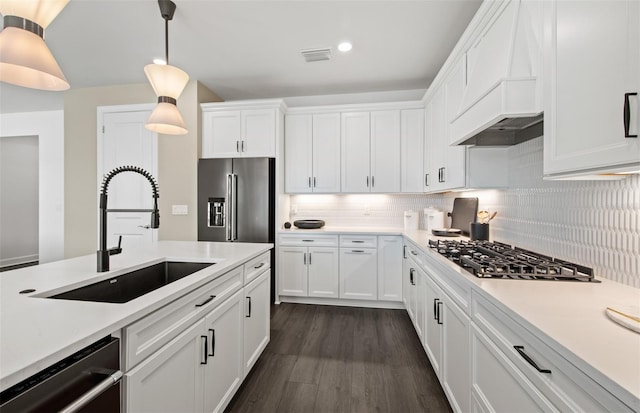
[166, 41]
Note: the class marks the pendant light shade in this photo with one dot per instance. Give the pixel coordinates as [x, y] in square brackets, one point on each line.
[167, 82]
[25, 59]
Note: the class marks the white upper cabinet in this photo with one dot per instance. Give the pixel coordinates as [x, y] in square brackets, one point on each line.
[412, 177]
[240, 129]
[355, 152]
[592, 78]
[371, 151]
[312, 153]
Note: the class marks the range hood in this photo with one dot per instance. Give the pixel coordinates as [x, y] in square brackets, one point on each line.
[501, 99]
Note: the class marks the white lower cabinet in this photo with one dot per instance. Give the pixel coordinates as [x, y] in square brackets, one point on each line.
[256, 319]
[389, 268]
[358, 273]
[433, 343]
[198, 371]
[323, 272]
[497, 385]
[293, 277]
[456, 359]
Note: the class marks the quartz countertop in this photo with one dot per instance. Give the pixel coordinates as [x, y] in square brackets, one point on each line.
[327, 229]
[570, 317]
[36, 332]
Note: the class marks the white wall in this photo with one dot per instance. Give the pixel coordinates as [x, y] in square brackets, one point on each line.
[18, 200]
[49, 128]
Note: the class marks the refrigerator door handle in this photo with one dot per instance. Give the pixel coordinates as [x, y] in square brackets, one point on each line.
[230, 205]
[234, 217]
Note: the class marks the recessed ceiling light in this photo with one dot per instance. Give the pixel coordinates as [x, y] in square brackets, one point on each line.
[345, 46]
[159, 61]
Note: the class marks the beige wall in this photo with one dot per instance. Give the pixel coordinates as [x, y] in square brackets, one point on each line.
[177, 162]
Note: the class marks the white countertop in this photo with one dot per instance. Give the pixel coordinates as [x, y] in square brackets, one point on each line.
[37, 332]
[344, 230]
[570, 316]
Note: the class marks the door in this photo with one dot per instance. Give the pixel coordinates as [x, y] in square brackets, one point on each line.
[358, 274]
[257, 319]
[292, 265]
[355, 155]
[323, 276]
[125, 141]
[254, 202]
[212, 188]
[297, 153]
[221, 134]
[326, 153]
[583, 121]
[390, 268]
[223, 372]
[412, 150]
[258, 133]
[171, 379]
[385, 151]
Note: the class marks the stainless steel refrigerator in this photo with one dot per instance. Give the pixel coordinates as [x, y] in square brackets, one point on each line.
[236, 201]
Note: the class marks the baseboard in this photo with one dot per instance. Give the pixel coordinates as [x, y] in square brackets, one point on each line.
[398, 305]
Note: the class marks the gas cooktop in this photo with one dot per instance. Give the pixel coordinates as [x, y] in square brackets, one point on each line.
[497, 260]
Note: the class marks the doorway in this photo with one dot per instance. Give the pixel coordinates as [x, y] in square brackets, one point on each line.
[19, 201]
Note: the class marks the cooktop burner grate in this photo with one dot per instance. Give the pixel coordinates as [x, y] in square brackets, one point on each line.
[487, 259]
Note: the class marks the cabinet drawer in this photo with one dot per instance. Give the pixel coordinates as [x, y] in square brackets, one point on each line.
[360, 241]
[256, 266]
[566, 386]
[311, 240]
[148, 334]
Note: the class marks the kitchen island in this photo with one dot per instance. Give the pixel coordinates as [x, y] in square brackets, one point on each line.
[36, 332]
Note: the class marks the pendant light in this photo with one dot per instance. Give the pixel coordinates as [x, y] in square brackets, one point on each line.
[168, 82]
[25, 59]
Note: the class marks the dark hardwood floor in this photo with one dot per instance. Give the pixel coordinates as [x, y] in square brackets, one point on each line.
[340, 359]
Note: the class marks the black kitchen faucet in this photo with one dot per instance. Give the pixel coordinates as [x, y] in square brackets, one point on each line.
[103, 252]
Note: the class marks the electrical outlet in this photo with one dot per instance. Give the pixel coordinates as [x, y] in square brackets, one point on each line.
[367, 210]
[179, 209]
[294, 209]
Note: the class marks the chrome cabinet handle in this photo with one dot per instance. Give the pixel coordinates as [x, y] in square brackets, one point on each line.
[100, 388]
[520, 350]
[626, 115]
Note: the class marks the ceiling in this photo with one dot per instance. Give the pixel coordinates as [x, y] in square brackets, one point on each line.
[251, 49]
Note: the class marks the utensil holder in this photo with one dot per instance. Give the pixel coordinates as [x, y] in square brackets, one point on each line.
[479, 231]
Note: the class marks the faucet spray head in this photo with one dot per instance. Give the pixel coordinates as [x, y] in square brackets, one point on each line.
[155, 214]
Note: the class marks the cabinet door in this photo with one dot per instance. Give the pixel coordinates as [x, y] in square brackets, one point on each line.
[412, 147]
[293, 271]
[406, 281]
[420, 298]
[326, 153]
[221, 134]
[428, 175]
[297, 153]
[385, 151]
[171, 379]
[355, 154]
[390, 268]
[358, 274]
[437, 141]
[258, 132]
[583, 118]
[498, 386]
[456, 355]
[223, 372]
[256, 319]
[323, 272]
[433, 330]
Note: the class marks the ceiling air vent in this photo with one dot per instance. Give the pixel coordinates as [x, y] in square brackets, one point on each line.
[316, 55]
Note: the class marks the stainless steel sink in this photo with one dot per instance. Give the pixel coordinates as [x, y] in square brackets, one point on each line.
[134, 284]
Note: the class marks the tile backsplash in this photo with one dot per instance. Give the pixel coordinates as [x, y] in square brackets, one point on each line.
[594, 223]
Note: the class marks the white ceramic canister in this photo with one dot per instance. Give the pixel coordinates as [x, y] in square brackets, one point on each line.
[433, 219]
[410, 220]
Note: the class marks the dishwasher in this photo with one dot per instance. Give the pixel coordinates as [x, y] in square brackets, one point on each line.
[87, 381]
